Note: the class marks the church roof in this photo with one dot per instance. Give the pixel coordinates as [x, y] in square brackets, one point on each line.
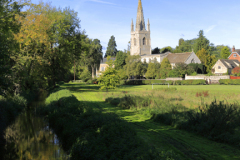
[178, 57]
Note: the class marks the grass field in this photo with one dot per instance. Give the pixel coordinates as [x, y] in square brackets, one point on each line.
[164, 138]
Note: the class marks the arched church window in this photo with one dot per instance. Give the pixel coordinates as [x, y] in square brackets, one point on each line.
[135, 42]
[144, 41]
[193, 61]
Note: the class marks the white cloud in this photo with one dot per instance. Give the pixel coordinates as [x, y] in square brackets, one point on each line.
[210, 28]
[104, 2]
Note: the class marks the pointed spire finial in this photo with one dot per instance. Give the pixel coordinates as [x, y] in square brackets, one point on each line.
[140, 23]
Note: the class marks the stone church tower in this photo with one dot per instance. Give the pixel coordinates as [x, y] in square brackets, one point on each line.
[140, 37]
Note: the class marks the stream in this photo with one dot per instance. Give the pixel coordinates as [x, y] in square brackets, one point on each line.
[30, 137]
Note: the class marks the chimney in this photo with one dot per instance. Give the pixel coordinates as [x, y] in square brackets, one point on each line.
[233, 49]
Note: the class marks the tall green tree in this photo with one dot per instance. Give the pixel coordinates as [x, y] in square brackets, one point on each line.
[48, 44]
[8, 27]
[202, 42]
[152, 70]
[165, 68]
[134, 67]
[95, 55]
[112, 47]
[225, 52]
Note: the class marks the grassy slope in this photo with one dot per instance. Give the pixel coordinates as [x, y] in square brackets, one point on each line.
[187, 145]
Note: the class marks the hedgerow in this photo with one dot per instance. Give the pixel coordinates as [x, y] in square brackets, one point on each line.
[149, 82]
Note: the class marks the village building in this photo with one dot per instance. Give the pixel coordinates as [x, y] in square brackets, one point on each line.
[235, 55]
[224, 66]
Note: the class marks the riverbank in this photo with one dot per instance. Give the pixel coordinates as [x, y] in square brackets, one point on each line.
[9, 109]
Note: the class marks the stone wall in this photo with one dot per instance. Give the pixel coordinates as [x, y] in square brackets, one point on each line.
[209, 79]
[174, 79]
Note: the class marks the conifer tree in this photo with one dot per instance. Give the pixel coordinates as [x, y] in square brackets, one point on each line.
[112, 47]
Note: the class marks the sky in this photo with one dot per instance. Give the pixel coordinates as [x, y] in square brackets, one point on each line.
[170, 20]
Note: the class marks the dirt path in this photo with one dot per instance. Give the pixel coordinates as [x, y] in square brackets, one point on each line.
[164, 138]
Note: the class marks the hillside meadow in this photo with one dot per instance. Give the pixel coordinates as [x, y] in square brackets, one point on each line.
[165, 118]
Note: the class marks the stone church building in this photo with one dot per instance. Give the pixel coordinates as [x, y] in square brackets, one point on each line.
[141, 45]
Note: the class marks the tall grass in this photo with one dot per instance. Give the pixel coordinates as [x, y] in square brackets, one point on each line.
[217, 121]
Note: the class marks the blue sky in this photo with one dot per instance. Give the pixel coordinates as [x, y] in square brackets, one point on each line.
[170, 20]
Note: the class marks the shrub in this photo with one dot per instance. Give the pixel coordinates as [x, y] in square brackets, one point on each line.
[216, 121]
[230, 81]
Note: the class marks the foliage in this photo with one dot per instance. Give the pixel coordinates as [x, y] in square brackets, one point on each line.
[85, 75]
[185, 46]
[156, 50]
[166, 49]
[9, 9]
[181, 69]
[109, 79]
[120, 60]
[230, 81]
[236, 71]
[198, 68]
[202, 43]
[165, 68]
[94, 55]
[206, 59]
[150, 82]
[10, 108]
[49, 40]
[225, 52]
[152, 70]
[134, 66]
[112, 48]
[217, 121]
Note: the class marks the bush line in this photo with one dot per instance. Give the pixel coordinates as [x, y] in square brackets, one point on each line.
[149, 82]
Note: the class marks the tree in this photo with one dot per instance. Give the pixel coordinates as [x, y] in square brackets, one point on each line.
[165, 68]
[109, 79]
[225, 52]
[95, 55]
[48, 45]
[112, 47]
[152, 70]
[206, 59]
[134, 66]
[202, 42]
[120, 60]
[156, 50]
[166, 49]
[8, 26]
[202, 55]
[181, 69]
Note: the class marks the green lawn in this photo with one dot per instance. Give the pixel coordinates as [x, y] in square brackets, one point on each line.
[163, 137]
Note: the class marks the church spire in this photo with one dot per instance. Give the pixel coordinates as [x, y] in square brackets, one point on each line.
[132, 27]
[140, 23]
[148, 26]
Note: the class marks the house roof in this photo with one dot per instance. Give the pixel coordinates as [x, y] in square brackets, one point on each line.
[228, 63]
[104, 60]
[178, 57]
[236, 51]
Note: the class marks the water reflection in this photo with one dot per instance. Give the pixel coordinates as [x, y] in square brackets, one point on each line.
[31, 138]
